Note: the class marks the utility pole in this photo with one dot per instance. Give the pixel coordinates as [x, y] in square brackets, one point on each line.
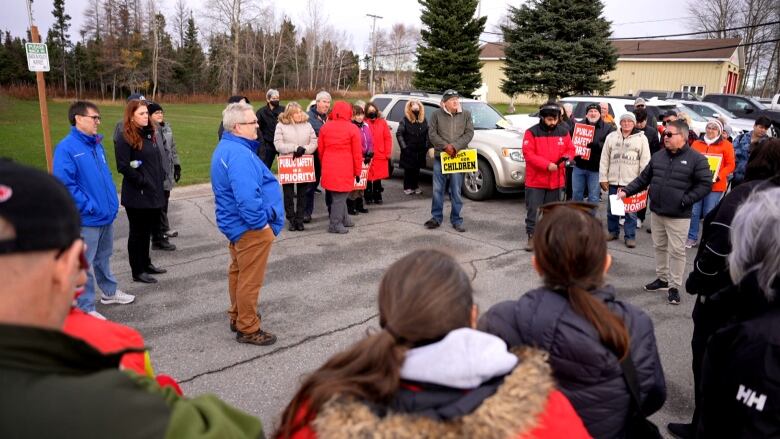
[36, 38]
[373, 53]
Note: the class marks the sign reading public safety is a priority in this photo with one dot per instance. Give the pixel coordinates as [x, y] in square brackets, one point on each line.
[464, 161]
[37, 57]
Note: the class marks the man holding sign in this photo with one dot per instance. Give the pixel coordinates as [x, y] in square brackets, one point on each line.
[588, 139]
[678, 177]
[450, 130]
[626, 153]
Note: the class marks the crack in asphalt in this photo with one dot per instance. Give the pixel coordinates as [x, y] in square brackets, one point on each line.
[279, 350]
[202, 213]
[489, 258]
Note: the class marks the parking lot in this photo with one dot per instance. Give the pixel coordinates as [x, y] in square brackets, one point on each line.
[319, 293]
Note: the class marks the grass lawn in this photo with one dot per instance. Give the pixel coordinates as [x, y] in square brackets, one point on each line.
[194, 128]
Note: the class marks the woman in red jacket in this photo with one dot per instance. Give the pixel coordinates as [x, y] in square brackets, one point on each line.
[341, 156]
[428, 373]
[383, 147]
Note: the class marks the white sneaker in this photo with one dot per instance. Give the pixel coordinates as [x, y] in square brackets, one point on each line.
[97, 315]
[418, 191]
[408, 191]
[638, 223]
[622, 221]
[119, 297]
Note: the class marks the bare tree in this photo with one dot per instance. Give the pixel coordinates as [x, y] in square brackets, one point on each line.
[181, 13]
[314, 21]
[155, 43]
[713, 16]
[231, 15]
[92, 20]
[400, 49]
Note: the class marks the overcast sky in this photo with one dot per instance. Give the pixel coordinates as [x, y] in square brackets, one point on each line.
[629, 19]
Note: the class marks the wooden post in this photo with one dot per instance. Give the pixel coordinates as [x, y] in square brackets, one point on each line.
[36, 38]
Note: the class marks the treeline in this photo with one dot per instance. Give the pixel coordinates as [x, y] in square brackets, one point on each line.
[129, 46]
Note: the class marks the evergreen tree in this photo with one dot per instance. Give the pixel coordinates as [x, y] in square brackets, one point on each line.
[557, 48]
[448, 56]
[191, 60]
[60, 40]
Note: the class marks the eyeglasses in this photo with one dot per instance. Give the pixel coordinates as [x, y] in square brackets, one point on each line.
[83, 262]
[254, 122]
[582, 206]
[95, 118]
[670, 135]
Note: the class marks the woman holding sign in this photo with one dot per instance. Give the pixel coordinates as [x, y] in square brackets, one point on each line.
[720, 155]
[294, 137]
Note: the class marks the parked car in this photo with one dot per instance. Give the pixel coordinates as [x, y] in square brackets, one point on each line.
[710, 110]
[501, 165]
[774, 103]
[747, 107]
[681, 95]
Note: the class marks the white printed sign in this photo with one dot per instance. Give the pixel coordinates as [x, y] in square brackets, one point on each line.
[37, 57]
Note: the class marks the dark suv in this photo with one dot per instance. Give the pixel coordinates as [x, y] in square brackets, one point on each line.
[746, 107]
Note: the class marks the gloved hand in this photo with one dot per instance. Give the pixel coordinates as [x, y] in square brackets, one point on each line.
[176, 173]
[299, 152]
[357, 179]
[366, 160]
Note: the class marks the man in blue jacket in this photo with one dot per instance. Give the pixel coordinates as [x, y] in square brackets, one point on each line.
[80, 163]
[250, 212]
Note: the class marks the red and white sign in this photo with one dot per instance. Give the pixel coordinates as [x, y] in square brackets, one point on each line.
[292, 170]
[583, 135]
[363, 178]
[635, 203]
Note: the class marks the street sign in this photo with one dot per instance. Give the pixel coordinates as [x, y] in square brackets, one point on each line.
[37, 57]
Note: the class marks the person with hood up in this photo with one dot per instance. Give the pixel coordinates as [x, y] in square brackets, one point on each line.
[586, 170]
[383, 149]
[626, 153]
[427, 373]
[740, 385]
[355, 199]
[590, 335]
[341, 154]
[546, 147]
[712, 143]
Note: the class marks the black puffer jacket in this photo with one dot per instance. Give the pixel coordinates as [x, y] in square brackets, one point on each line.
[602, 130]
[677, 181]
[142, 186]
[413, 140]
[587, 372]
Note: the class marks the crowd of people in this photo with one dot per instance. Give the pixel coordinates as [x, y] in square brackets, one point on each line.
[567, 359]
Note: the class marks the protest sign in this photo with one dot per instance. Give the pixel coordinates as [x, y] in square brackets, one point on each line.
[635, 203]
[582, 137]
[715, 161]
[363, 178]
[464, 161]
[292, 170]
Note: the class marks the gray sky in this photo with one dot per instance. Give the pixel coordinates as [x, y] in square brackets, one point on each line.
[629, 18]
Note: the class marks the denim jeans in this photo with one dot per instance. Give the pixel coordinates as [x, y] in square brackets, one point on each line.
[100, 245]
[580, 178]
[437, 204]
[613, 224]
[707, 203]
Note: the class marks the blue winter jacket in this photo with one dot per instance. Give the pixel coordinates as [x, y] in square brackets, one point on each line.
[80, 163]
[246, 193]
[741, 154]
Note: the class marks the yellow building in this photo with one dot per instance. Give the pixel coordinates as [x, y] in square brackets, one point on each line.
[704, 66]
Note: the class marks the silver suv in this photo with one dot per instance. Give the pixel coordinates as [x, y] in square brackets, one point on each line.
[501, 164]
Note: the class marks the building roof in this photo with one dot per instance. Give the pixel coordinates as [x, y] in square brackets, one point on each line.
[651, 49]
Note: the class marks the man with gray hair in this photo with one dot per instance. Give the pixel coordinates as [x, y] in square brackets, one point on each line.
[739, 388]
[268, 117]
[250, 212]
[677, 177]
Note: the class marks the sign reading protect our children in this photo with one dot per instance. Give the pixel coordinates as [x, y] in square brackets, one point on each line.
[300, 170]
[715, 161]
[464, 161]
[582, 137]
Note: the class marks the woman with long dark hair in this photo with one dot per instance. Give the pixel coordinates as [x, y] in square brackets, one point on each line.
[577, 319]
[138, 160]
[427, 373]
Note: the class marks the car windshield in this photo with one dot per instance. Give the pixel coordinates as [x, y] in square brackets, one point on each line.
[756, 103]
[720, 110]
[696, 117]
[484, 116]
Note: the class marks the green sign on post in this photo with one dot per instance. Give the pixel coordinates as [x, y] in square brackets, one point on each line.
[37, 57]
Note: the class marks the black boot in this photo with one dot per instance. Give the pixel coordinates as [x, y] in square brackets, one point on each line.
[351, 207]
[378, 195]
[369, 193]
[359, 205]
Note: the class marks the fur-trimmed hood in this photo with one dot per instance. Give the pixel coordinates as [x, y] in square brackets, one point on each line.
[512, 411]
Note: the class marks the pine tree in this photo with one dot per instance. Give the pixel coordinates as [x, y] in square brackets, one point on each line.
[448, 56]
[557, 48]
[190, 59]
[60, 39]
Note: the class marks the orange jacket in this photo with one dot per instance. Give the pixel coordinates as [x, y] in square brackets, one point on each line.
[725, 149]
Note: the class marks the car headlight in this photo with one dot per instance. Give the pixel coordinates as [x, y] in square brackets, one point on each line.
[514, 154]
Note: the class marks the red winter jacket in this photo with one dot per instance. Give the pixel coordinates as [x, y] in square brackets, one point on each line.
[542, 147]
[383, 148]
[340, 150]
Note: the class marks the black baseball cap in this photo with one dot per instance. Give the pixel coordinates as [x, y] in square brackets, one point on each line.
[593, 106]
[38, 208]
[136, 97]
[449, 94]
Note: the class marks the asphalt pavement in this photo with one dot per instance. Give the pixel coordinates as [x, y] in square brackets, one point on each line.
[320, 289]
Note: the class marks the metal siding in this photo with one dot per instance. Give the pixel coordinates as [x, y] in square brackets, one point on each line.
[632, 76]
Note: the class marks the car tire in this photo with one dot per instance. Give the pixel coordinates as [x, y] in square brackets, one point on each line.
[480, 185]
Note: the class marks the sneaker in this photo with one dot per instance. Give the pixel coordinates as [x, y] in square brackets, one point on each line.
[408, 191]
[459, 228]
[529, 245]
[163, 245]
[682, 431]
[674, 296]
[418, 191]
[260, 338]
[120, 297]
[306, 219]
[691, 243]
[657, 285]
[432, 224]
[171, 233]
[631, 243]
[97, 315]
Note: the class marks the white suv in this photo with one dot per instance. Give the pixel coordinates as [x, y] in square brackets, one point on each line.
[501, 164]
